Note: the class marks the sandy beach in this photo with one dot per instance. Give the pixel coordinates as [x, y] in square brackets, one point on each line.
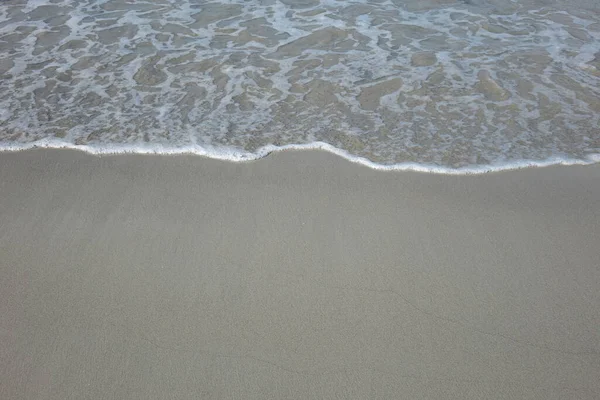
[298, 276]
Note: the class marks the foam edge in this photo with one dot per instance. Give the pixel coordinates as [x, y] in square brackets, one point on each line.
[235, 155]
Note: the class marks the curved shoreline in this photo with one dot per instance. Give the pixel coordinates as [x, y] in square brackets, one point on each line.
[233, 155]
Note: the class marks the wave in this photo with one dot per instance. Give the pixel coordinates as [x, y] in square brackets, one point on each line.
[237, 155]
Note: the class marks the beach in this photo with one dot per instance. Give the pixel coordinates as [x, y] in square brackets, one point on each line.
[316, 199]
[297, 276]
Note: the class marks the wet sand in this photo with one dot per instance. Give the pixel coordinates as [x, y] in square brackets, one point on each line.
[298, 276]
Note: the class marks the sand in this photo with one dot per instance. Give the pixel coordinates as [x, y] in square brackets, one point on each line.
[298, 276]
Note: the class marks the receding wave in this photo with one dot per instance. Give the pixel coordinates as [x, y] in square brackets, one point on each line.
[237, 155]
[452, 86]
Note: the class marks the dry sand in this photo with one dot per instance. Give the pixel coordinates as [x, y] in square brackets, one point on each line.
[299, 276]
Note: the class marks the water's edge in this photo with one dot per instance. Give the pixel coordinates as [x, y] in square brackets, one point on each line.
[449, 86]
[235, 155]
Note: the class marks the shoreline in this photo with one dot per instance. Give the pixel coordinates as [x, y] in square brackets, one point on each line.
[299, 275]
[238, 155]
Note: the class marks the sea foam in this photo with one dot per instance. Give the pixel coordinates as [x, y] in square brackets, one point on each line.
[237, 155]
[452, 87]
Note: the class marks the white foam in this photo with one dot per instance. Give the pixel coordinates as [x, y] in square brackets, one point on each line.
[437, 117]
[236, 155]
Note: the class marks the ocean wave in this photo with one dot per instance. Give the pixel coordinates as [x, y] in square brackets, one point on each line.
[237, 155]
[397, 84]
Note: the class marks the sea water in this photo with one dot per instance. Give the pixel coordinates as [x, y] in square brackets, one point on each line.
[452, 86]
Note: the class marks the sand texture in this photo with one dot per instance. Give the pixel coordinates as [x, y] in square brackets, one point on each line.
[298, 276]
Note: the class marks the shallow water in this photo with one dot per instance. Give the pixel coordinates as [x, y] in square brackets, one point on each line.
[438, 83]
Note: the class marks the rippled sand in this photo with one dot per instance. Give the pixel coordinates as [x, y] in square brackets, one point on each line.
[443, 82]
